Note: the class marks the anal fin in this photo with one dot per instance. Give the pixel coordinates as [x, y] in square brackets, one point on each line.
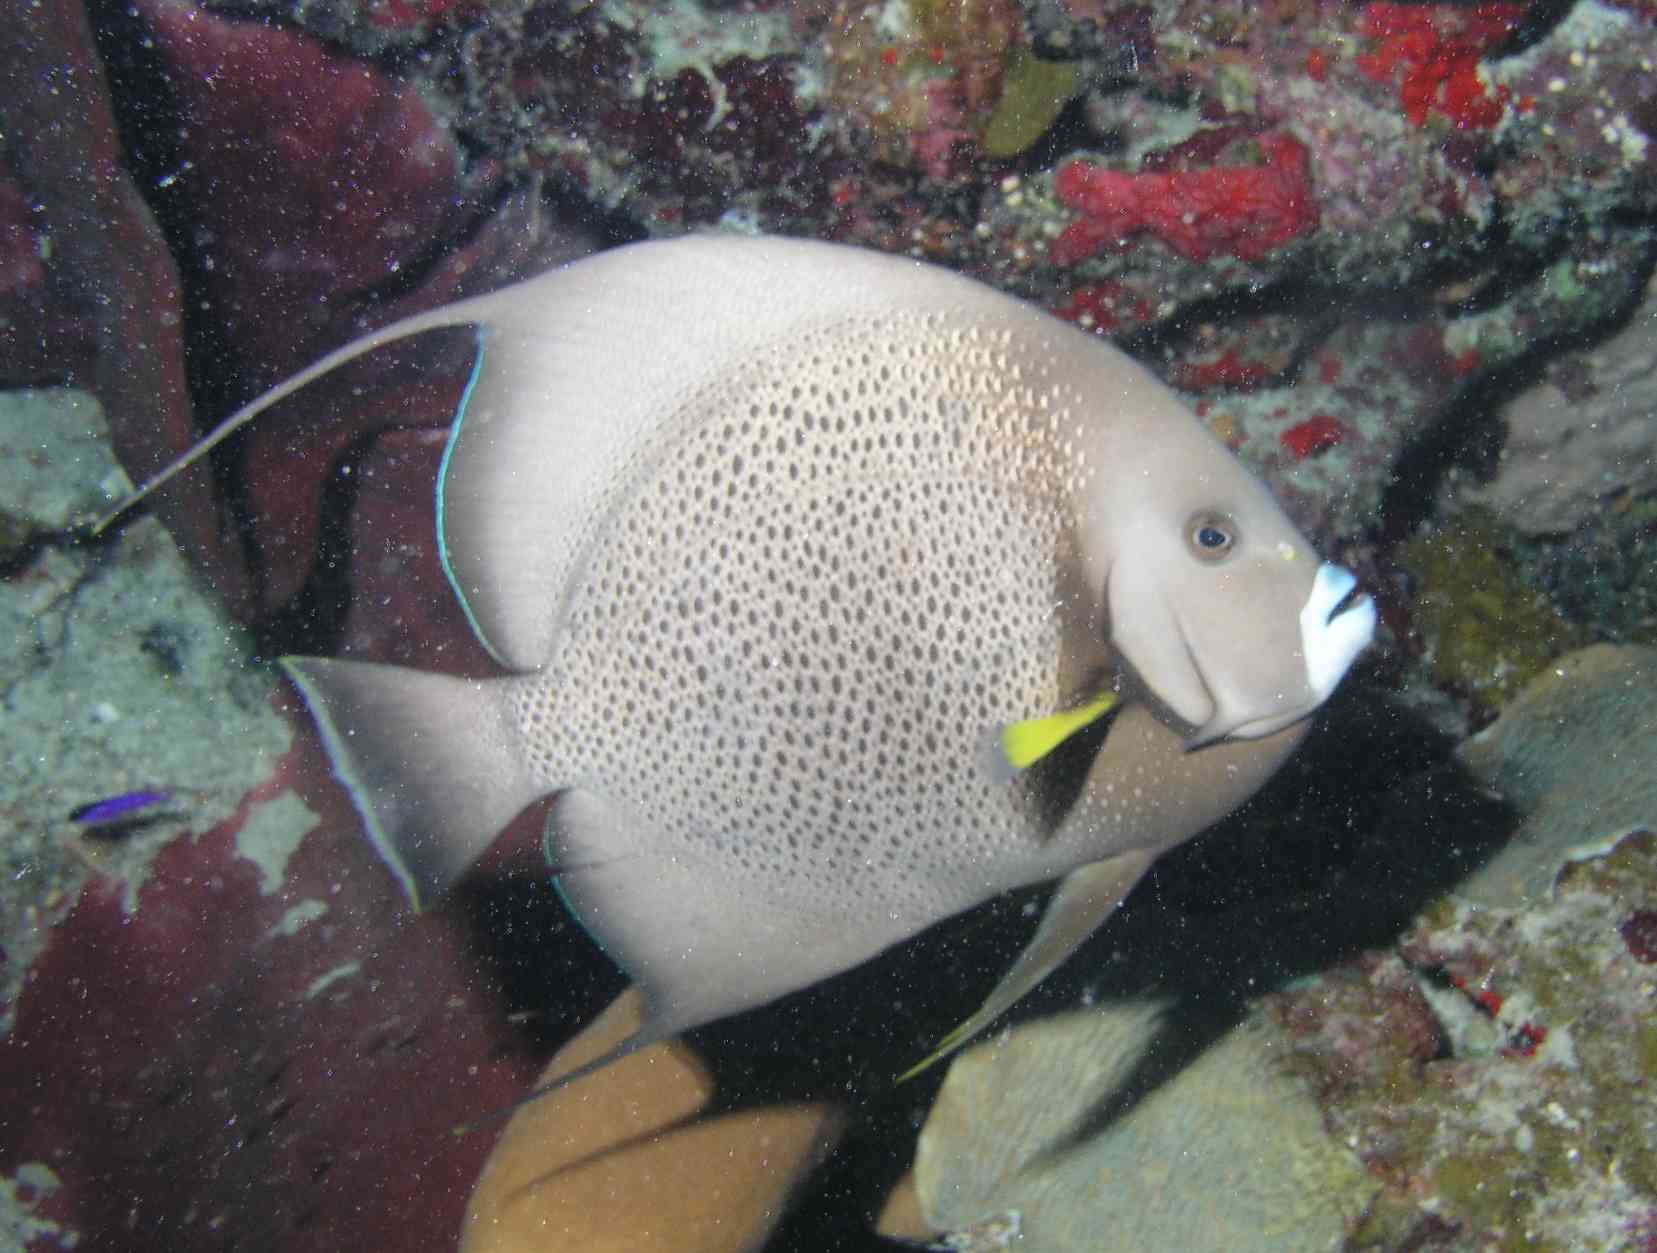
[1085, 898]
[428, 762]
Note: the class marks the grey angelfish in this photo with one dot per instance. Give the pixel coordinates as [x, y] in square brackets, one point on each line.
[799, 557]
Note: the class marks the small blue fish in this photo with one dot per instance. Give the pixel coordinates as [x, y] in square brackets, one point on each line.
[126, 807]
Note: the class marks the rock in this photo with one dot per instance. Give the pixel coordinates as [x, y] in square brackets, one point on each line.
[1576, 753]
[1493, 1069]
[901, 1217]
[1583, 435]
[55, 464]
[220, 1025]
[1078, 1125]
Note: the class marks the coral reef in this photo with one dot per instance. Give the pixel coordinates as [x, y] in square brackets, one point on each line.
[1482, 1081]
[1478, 166]
[1397, 255]
[1523, 1118]
[1404, 147]
[222, 1029]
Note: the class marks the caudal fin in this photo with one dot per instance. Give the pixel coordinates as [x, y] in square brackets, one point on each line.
[427, 758]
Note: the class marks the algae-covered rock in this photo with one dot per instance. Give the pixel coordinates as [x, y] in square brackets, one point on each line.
[120, 672]
[1576, 754]
[1098, 1129]
[55, 461]
[1495, 1069]
[1487, 631]
[1534, 1125]
[1491, 1071]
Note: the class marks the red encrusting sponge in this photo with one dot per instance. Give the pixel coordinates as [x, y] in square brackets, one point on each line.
[1439, 47]
[1239, 210]
[1318, 433]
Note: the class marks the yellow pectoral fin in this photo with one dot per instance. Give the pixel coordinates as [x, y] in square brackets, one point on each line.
[1025, 743]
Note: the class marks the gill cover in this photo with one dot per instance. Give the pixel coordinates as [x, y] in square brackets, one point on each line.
[1242, 646]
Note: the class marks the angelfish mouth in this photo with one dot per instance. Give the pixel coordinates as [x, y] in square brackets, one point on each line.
[1336, 624]
[1354, 597]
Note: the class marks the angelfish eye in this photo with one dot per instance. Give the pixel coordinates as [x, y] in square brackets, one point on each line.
[1211, 536]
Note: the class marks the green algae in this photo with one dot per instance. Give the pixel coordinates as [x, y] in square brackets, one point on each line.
[1488, 632]
[1033, 92]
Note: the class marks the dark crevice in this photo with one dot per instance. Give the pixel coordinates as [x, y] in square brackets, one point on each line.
[313, 621]
[1468, 430]
[150, 125]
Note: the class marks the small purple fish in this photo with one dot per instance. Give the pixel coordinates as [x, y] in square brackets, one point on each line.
[118, 808]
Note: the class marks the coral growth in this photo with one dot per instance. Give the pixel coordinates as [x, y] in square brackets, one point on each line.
[1492, 1068]
[1248, 151]
[923, 82]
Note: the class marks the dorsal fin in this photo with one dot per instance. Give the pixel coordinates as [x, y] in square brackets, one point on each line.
[579, 373]
[588, 373]
[457, 314]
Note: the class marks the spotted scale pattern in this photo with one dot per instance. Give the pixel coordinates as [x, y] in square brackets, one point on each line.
[836, 578]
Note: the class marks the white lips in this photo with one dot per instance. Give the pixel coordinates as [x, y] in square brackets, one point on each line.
[1331, 643]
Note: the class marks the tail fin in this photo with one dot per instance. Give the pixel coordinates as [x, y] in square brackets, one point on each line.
[427, 758]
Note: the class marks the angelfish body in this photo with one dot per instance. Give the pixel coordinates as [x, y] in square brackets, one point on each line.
[776, 540]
